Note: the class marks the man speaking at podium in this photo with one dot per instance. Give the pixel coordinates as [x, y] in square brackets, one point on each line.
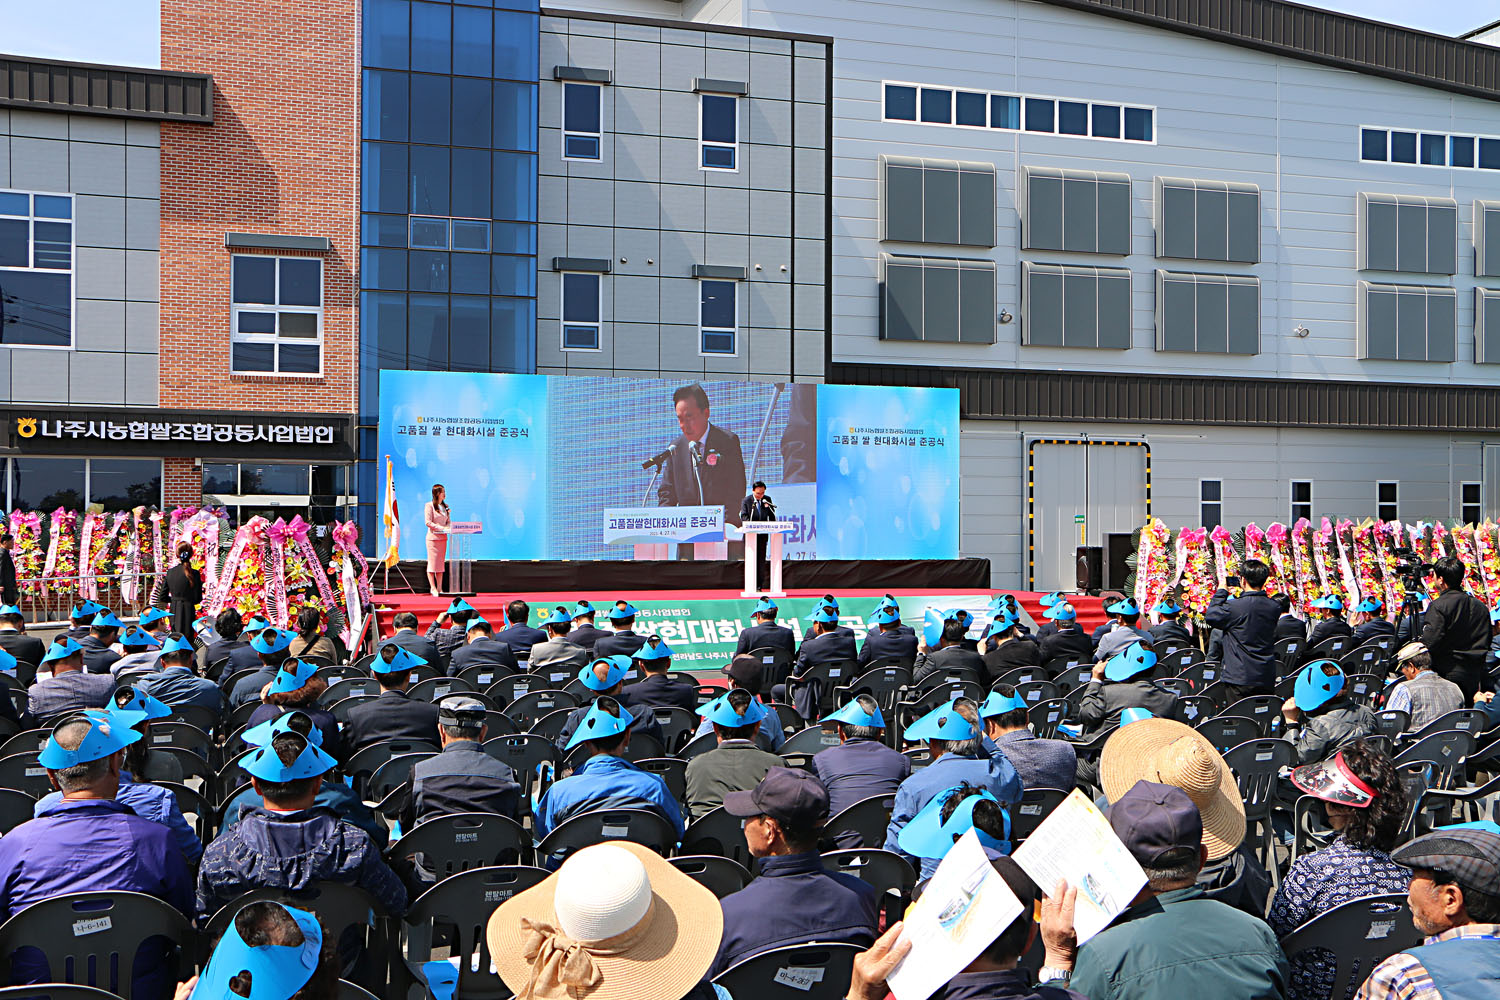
[705, 465]
[758, 507]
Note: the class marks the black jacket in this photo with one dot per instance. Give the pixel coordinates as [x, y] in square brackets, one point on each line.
[767, 636]
[486, 652]
[392, 716]
[419, 645]
[1291, 627]
[1010, 655]
[1456, 630]
[27, 648]
[586, 635]
[9, 591]
[184, 592]
[1249, 625]
[721, 469]
[1171, 631]
[1328, 628]
[1371, 630]
[627, 642]
[660, 691]
[879, 645]
[521, 638]
[756, 510]
[1103, 701]
[1070, 642]
[949, 658]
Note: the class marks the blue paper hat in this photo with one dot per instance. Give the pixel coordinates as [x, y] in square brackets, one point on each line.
[654, 648]
[88, 609]
[256, 623]
[177, 644]
[442, 978]
[459, 606]
[558, 617]
[1133, 659]
[927, 836]
[139, 701]
[619, 666]
[7, 662]
[475, 622]
[932, 627]
[1127, 606]
[997, 704]
[61, 648]
[271, 640]
[1329, 602]
[267, 766]
[1002, 621]
[1050, 599]
[201, 623]
[271, 972]
[1167, 606]
[259, 736]
[106, 619]
[599, 725]
[10, 609]
[582, 609]
[765, 606]
[1135, 715]
[825, 614]
[294, 674]
[828, 601]
[148, 617]
[959, 615]
[110, 732]
[618, 613]
[1314, 689]
[885, 616]
[136, 636]
[1488, 826]
[888, 601]
[941, 724]
[404, 659]
[1495, 613]
[852, 715]
[721, 713]
[1370, 605]
[1060, 612]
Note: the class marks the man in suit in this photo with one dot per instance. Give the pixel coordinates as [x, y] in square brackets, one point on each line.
[15, 641]
[888, 638]
[557, 653]
[705, 465]
[625, 639]
[1288, 626]
[828, 645]
[758, 507]
[764, 631]
[656, 688]
[584, 633]
[391, 716]
[10, 593]
[520, 637]
[1169, 629]
[830, 603]
[409, 639]
[483, 650]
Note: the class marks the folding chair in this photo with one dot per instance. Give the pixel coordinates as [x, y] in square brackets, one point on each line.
[719, 876]
[811, 740]
[889, 873]
[1036, 805]
[822, 969]
[1361, 934]
[866, 819]
[639, 826]
[1257, 765]
[717, 832]
[453, 915]
[458, 842]
[672, 770]
[1226, 731]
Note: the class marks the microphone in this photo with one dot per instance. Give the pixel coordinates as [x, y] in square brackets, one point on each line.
[657, 460]
[697, 454]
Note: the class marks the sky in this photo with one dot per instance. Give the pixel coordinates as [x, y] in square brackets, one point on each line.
[125, 32]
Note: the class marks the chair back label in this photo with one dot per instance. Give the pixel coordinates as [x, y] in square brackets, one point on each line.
[799, 977]
[92, 926]
[466, 838]
[1379, 929]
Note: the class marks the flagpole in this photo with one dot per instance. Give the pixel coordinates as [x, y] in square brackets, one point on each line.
[390, 485]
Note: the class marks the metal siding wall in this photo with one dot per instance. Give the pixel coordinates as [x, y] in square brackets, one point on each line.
[993, 497]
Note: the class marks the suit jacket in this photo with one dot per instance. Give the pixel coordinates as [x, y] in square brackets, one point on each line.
[419, 645]
[392, 716]
[722, 472]
[521, 638]
[8, 588]
[484, 652]
[22, 646]
[761, 636]
[586, 635]
[754, 510]
[628, 642]
[660, 691]
[880, 644]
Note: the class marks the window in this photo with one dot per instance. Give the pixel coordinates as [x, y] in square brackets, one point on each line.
[1373, 143]
[580, 311]
[36, 270]
[937, 299]
[1403, 147]
[1489, 154]
[1487, 239]
[718, 130]
[318, 492]
[937, 106]
[582, 121]
[1138, 124]
[117, 484]
[1207, 313]
[1066, 306]
[1072, 118]
[1429, 149]
[1471, 509]
[1301, 499]
[910, 102]
[1005, 111]
[937, 201]
[1486, 326]
[1040, 115]
[971, 109]
[717, 318]
[465, 235]
[277, 315]
[1076, 210]
[1406, 322]
[1434, 149]
[1106, 121]
[1385, 500]
[1207, 220]
[1211, 502]
[1400, 232]
[901, 103]
[1461, 150]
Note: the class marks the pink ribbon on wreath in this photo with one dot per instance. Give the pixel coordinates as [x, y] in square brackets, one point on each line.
[252, 532]
[277, 532]
[303, 545]
[345, 535]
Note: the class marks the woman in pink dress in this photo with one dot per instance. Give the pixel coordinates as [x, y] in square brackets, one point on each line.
[435, 514]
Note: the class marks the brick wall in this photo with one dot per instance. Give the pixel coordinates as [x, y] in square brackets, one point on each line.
[181, 483]
[282, 157]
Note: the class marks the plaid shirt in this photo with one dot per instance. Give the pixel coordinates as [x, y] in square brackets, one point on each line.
[1403, 977]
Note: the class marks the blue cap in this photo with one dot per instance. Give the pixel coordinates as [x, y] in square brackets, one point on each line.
[885, 616]
[1167, 606]
[459, 606]
[87, 609]
[442, 978]
[106, 619]
[61, 648]
[137, 636]
[259, 736]
[267, 766]
[474, 622]
[558, 617]
[582, 609]
[148, 617]
[1314, 688]
[294, 674]
[927, 836]
[1329, 602]
[256, 623]
[618, 613]
[997, 704]
[958, 615]
[271, 972]
[765, 606]
[721, 713]
[1135, 715]
[1128, 662]
[828, 601]
[1125, 606]
[825, 614]
[10, 609]
[1061, 612]
[941, 724]
[654, 648]
[271, 640]
[852, 715]
[177, 644]
[404, 659]
[598, 724]
[1050, 599]
[110, 732]
[1370, 605]
[616, 667]
[137, 700]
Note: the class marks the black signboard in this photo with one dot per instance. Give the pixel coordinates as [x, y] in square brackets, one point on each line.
[208, 434]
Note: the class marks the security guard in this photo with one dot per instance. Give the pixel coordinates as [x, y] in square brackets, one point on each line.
[1066, 639]
[584, 633]
[606, 779]
[557, 653]
[888, 637]
[82, 618]
[829, 603]
[656, 688]
[1169, 629]
[829, 643]
[448, 637]
[392, 716]
[861, 766]
[1120, 683]
[270, 646]
[98, 657]
[483, 650]
[624, 639]
[956, 758]
[463, 778]
[1331, 625]
[1012, 649]
[1369, 625]
[737, 764]
[606, 676]
[764, 633]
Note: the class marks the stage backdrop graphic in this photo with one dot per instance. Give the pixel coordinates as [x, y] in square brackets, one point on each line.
[865, 472]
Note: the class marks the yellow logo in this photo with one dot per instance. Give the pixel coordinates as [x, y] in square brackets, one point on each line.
[26, 426]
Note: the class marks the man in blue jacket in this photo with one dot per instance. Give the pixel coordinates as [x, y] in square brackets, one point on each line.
[1249, 626]
[861, 766]
[175, 683]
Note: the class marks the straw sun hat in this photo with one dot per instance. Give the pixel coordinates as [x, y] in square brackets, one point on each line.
[1171, 753]
[616, 922]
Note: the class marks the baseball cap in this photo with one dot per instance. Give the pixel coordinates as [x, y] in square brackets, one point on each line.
[852, 715]
[109, 732]
[266, 764]
[1471, 855]
[1154, 821]
[461, 710]
[262, 972]
[790, 796]
[616, 667]
[598, 724]
[745, 671]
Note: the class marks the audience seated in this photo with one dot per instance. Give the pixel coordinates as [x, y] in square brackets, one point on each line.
[463, 778]
[14, 639]
[271, 951]
[295, 687]
[606, 676]
[230, 628]
[1424, 696]
[69, 689]
[98, 646]
[657, 688]
[584, 633]
[447, 631]
[888, 638]
[406, 636]
[1332, 718]
[245, 657]
[1040, 763]
[176, 683]
[953, 653]
[861, 766]
[556, 652]
[764, 633]
[482, 650]
[270, 647]
[737, 764]
[391, 715]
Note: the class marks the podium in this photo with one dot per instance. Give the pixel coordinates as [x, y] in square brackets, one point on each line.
[751, 532]
[461, 556]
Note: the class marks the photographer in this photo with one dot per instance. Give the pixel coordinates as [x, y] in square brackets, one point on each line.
[1456, 628]
[1249, 626]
